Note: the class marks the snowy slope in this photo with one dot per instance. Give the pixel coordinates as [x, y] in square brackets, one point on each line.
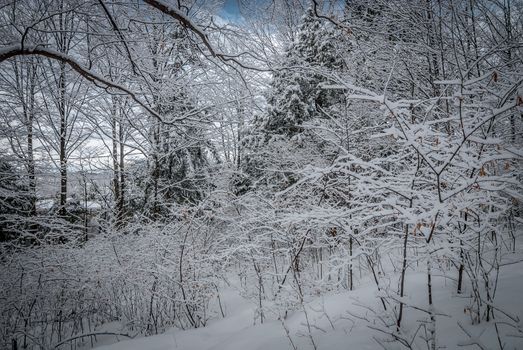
[334, 326]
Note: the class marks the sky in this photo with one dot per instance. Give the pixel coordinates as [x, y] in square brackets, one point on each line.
[231, 11]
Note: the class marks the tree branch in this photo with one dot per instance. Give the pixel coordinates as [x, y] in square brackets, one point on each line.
[40, 50]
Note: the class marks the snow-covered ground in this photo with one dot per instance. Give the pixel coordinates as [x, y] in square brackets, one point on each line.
[346, 321]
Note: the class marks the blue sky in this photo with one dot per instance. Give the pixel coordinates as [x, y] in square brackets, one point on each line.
[230, 10]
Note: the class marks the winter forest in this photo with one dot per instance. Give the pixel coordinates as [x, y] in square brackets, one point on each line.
[261, 174]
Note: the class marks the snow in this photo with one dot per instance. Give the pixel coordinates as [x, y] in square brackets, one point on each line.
[92, 205]
[45, 204]
[41, 49]
[240, 215]
[48, 204]
[448, 82]
[333, 325]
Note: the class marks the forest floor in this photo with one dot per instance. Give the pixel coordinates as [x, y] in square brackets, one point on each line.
[348, 320]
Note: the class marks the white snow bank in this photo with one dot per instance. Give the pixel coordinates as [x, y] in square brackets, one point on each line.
[333, 326]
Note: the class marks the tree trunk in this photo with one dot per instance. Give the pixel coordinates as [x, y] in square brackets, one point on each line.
[116, 162]
[432, 325]
[30, 151]
[402, 278]
[63, 142]
[121, 204]
[63, 118]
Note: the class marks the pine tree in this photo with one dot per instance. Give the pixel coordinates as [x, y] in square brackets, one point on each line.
[296, 92]
[15, 201]
[182, 157]
[296, 98]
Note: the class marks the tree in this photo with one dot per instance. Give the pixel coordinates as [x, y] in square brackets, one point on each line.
[15, 205]
[297, 105]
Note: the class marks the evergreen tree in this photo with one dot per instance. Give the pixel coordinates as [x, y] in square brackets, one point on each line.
[15, 201]
[182, 157]
[296, 98]
[296, 94]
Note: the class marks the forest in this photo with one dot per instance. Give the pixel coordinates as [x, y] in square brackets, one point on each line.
[261, 174]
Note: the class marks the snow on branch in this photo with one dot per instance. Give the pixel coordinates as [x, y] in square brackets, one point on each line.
[19, 50]
[185, 21]
[199, 31]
